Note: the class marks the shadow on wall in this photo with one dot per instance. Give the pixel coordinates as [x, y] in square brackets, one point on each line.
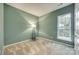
[48, 23]
[17, 23]
[1, 28]
[17, 26]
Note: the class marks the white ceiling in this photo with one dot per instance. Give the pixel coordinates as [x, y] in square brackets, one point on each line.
[38, 9]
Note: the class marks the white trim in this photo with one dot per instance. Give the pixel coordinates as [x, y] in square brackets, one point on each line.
[63, 38]
[13, 44]
[28, 40]
[16, 43]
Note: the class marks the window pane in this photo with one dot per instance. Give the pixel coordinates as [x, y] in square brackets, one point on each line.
[64, 27]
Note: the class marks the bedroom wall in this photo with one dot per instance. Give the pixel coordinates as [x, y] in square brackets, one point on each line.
[1, 27]
[16, 24]
[48, 23]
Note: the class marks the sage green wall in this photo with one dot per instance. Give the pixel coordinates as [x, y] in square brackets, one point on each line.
[48, 22]
[15, 24]
[1, 27]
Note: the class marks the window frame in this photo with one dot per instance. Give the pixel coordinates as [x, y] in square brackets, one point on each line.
[64, 16]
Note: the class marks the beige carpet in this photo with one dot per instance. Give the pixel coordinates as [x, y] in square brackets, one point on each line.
[39, 47]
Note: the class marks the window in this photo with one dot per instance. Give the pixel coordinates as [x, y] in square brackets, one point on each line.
[77, 24]
[77, 27]
[76, 41]
[64, 27]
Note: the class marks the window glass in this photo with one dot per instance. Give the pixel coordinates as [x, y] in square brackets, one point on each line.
[64, 27]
